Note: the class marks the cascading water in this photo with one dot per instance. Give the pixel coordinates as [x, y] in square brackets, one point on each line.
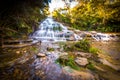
[50, 30]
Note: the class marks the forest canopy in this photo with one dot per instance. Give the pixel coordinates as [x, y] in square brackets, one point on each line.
[100, 15]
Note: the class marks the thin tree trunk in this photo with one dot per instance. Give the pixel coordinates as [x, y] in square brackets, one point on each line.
[2, 41]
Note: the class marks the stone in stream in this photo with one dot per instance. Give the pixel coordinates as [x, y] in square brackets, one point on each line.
[41, 55]
[81, 61]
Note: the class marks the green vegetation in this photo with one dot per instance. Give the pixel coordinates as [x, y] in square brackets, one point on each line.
[50, 49]
[82, 45]
[91, 66]
[18, 18]
[93, 50]
[99, 15]
[68, 60]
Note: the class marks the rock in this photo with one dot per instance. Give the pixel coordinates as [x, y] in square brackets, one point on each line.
[105, 62]
[81, 61]
[85, 55]
[24, 51]
[48, 53]
[18, 52]
[63, 54]
[64, 58]
[68, 69]
[93, 32]
[99, 68]
[78, 75]
[41, 55]
[71, 38]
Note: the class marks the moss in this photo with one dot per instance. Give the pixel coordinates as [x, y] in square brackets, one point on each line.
[68, 61]
[93, 50]
[91, 66]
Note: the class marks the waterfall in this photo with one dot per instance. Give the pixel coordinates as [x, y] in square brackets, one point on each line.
[50, 30]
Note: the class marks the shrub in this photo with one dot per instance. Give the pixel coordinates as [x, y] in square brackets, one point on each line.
[93, 50]
[82, 45]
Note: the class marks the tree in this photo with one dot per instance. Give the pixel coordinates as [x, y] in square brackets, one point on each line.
[19, 17]
[102, 15]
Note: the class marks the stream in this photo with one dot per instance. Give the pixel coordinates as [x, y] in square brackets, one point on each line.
[40, 64]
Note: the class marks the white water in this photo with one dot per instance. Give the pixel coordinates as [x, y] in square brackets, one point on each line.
[104, 37]
[50, 30]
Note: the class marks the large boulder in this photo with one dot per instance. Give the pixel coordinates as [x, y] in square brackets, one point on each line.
[81, 61]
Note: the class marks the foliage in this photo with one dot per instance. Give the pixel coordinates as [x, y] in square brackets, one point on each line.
[91, 66]
[20, 17]
[50, 49]
[82, 45]
[100, 15]
[68, 61]
[93, 50]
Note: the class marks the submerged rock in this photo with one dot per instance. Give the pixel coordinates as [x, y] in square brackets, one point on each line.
[81, 61]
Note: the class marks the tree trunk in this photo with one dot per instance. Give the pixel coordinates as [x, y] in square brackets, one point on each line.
[2, 41]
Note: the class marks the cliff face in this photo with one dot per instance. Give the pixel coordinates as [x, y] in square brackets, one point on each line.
[20, 17]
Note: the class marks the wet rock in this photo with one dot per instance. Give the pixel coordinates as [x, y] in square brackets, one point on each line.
[41, 55]
[81, 61]
[78, 75]
[85, 55]
[105, 62]
[48, 53]
[71, 38]
[63, 56]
